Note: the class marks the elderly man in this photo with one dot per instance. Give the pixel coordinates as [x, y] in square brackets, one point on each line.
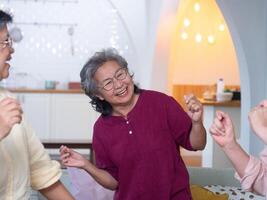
[24, 164]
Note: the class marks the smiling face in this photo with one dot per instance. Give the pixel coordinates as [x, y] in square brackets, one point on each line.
[121, 94]
[5, 53]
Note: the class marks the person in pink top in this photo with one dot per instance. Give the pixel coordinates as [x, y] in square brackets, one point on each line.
[251, 171]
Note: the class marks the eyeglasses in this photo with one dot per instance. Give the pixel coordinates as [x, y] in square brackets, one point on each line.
[119, 75]
[8, 42]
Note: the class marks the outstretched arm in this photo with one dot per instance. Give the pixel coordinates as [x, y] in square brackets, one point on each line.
[198, 132]
[222, 132]
[71, 158]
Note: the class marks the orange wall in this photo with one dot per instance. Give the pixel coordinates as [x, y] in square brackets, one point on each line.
[202, 63]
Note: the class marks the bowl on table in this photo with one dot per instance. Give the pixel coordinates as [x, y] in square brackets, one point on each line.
[224, 96]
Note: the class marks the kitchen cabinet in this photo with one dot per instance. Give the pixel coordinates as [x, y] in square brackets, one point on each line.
[56, 116]
[72, 117]
[36, 108]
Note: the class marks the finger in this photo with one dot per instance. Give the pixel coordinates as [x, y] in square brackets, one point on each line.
[224, 118]
[191, 100]
[219, 115]
[64, 156]
[195, 108]
[218, 124]
[65, 162]
[219, 131]
[8, 100]
[191, 105]
[15, 120]
[68, 164]
[13, 106]
[216, 131]
[63, 149]
[14, 113]
[213, 131]
[263, 103]
[188, 98]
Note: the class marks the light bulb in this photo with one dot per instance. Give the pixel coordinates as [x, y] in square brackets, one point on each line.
[211, 39]
[54, 51]
[37, 45]
[48, 45]
[221, 27]
[187, 22]
[197, 7]
[184, 35]
[198, 37]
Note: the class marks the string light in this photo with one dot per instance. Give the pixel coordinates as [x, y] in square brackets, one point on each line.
[197, 7]
[211, 39]
[198, 37]
[184, 35]
[221, 27]
[187, 22]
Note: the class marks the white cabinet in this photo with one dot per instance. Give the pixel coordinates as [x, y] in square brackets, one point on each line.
[59, 116]
[36, 108]
[72, 116]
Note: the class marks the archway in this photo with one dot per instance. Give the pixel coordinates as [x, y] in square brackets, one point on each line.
[243, 70]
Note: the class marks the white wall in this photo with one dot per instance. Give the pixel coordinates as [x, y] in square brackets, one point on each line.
[46, 51]
[247, 21]
[162, 44]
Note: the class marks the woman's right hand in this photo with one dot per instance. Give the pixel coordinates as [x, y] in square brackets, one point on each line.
[71, 158]
[222, 130]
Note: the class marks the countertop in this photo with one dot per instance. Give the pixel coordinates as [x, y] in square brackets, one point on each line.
[233, 103]
[57, 91]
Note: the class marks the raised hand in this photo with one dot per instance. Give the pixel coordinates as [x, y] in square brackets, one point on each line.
[222, 130]
[258, 120]
[195, 108]
[10, 114]
[72, 158]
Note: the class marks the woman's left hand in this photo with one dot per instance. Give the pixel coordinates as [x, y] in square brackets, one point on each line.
[195, 108]
[258, 120]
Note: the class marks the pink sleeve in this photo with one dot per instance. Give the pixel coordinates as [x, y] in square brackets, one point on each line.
[255, 178]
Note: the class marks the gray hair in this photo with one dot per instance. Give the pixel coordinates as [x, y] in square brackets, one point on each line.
[87, 77]
[91, 66]
[5, 18]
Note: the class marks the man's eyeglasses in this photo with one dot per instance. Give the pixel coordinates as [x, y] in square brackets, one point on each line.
[120, 74]
[8, 42]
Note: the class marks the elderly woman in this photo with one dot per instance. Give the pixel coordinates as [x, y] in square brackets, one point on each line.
[137, 137]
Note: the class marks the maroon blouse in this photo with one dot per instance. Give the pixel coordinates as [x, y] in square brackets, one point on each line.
[142, 152]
